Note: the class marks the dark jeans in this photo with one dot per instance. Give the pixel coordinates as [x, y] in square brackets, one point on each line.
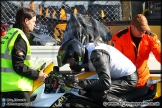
[18, 99]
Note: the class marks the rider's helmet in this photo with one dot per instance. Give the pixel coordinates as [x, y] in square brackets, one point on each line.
[71, 51]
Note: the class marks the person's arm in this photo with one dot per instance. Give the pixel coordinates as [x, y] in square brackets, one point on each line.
[100, 61]
[156, 47]
[19, 53]
[115, 42]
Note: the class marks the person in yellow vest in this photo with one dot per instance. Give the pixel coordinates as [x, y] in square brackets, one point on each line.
[16, 74]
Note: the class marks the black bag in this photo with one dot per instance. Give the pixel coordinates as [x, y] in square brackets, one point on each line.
[86, 29]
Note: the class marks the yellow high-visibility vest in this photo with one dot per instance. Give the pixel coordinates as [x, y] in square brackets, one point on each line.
[10, 80]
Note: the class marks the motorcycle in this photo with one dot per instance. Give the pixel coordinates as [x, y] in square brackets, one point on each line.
[54, 93]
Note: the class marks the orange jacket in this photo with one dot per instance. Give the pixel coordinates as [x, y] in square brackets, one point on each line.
[149, 43]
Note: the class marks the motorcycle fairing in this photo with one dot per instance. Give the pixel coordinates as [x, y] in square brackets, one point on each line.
[152, 91]
[73, 98]
[156, 80]
[87, 75]
[42, 99]
[138, 92]
[38, 83]
[59, 101]
[158, 90]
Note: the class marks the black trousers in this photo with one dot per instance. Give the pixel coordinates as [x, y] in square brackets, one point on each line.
[119, 86]
[20, 99]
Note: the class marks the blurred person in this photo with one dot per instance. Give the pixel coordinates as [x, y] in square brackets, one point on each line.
[116, 73]
[16, 74]
[136, 42]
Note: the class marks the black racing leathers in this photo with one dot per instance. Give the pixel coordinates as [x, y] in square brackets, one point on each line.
[100, 61]
[104, 88]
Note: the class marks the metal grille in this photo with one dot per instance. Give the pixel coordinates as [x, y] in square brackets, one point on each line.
[51, 15]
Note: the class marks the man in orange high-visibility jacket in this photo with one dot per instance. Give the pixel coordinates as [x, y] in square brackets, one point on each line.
[136, 42]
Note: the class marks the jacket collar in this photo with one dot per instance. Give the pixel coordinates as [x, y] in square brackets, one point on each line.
[16, 25]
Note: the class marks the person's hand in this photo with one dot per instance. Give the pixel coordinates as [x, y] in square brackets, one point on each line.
[71, 80]
[42, 75]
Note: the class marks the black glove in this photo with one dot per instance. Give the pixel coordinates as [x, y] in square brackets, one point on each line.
[71, 80]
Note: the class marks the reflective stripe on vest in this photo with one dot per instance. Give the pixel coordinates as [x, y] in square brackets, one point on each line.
[11, 81]
[6, 56]
[7, 70]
